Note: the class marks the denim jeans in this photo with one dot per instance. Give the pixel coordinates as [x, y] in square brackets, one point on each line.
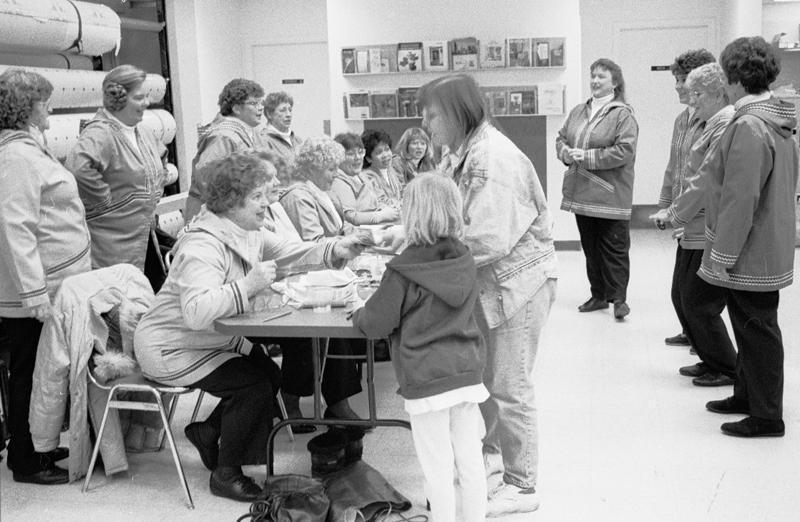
[510, 412]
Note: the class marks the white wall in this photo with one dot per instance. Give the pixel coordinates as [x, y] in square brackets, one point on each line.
[365, 22]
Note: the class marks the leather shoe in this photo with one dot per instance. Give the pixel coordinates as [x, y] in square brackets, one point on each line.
[593, 304]
[713, 379]
[677, 340]
[754, 427]
[208, 450]
[694, 370]
[58, 454]
[728, 405]
[621, 309]
[49, 476]
[239, 487]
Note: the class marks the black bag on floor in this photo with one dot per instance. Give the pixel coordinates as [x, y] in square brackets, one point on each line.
[290, 498]
[359, 488]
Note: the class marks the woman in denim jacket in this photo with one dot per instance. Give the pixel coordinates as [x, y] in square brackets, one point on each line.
[508, 228]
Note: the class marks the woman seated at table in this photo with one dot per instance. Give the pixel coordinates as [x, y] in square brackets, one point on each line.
[314, 216]
[378, 168]
[223, 260]
[356, 200]
[413, 154]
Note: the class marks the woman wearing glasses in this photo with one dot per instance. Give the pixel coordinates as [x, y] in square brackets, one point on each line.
[354, 199]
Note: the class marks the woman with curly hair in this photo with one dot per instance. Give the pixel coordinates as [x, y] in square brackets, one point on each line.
[413, 154]
[241, 106]
[277, 136]
[224, 259]
[315, 217]
[43, 240]
[120, 167]
[749, 230]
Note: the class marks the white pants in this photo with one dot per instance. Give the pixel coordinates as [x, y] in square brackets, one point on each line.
[448, 444]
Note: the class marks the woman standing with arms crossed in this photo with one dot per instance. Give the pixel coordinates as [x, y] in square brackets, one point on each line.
[513, 249]
[598, 144]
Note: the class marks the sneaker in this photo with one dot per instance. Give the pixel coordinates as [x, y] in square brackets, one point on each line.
[508, 499]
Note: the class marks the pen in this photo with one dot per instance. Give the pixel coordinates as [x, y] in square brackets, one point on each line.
[276, 316]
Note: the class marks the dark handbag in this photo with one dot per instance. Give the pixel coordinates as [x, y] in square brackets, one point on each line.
[290, 498]
[360, 488]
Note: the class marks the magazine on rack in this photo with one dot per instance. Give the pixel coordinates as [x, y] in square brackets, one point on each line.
[357, 105]
[519, 52]
[496, 100]
[435, 55]
[464, 53]
[362, 60]
[541, 53]
[383, 104]
[409, 56]
[407, 102]
[348, 61]
[556, 52]
[550, 98]
[493, 54]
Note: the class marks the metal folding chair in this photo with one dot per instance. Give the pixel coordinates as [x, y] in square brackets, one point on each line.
[137, 383]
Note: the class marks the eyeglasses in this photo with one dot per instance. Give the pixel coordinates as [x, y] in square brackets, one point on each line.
[695, 94]
[254, 103]
[355, 153]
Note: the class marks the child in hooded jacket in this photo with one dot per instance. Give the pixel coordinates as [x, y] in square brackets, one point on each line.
[425, 305]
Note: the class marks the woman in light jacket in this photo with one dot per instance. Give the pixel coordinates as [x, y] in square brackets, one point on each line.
[508, 228]
[43, 240]
[315, 218]
[355, 199]
[223, 260]
[120, 167]
[598, 144]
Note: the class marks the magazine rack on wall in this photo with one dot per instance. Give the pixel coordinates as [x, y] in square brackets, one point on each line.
[527, 67]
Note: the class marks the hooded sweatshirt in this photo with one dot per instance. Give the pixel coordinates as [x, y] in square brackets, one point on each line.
[425, 304]
[750, 208]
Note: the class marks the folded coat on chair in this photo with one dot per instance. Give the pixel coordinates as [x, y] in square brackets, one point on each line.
[69, 337]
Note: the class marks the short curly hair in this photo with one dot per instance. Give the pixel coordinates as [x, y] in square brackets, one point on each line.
[118, 83]
[19, 90]
[226, 182]
[349, 140]
[686, 62]
[616, 76]
[274, 99]
[708, 77]
[236, 92]
[283, 165]
[371, 139]
[751, 61]
[315, 155]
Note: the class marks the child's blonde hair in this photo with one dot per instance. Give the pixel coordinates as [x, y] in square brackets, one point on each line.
[432, 209]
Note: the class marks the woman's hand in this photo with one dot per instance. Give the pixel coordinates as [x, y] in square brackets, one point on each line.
[565, 156]
[260, 277]
[42, 312]
[394, 237]
[388, 214]
[348, 247]
[577, 154]
[660, 218]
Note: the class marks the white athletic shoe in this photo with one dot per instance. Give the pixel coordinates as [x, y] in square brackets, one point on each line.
[508, 499]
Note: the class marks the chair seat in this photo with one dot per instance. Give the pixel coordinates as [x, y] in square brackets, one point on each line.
[137, 381]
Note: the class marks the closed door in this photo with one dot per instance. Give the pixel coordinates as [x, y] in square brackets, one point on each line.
[301, 69]
[637, 48]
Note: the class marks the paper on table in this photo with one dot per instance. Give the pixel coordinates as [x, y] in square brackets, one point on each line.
[328, 278]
